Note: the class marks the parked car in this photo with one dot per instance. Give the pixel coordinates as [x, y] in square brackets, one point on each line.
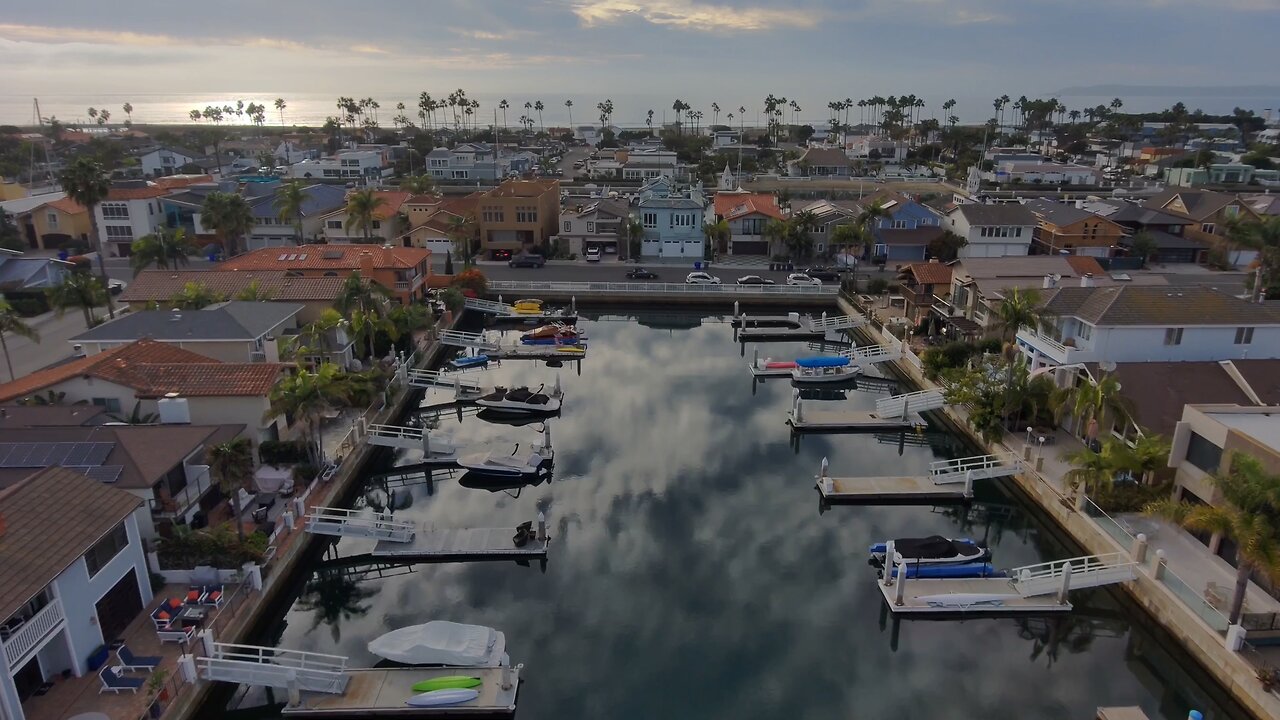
[701, 278]
[802, 279]
[593, 254]
[115, 287]
[825, 274]
[754, 280]
[527, 260]
[642, 274]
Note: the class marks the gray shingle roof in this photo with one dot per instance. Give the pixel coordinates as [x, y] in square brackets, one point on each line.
[320, 199]
[1160, 306]
[1059, 214]
[235, 320]
[1007, 214]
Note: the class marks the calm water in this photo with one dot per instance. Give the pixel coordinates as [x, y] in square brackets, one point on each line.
[692, 574]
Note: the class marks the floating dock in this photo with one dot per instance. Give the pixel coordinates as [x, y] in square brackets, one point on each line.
[503, 313]
[974, 596]
[903, 490]
[461, 544]
[382, 693]
[792, 326]
[811, 420]
[538, 352]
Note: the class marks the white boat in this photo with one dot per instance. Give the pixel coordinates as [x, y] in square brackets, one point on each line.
[443, 643]
[823, 369]
[768, 367]
[931, 550]
[513, 463]
[443, 698]
[522, 400]
[439, 447]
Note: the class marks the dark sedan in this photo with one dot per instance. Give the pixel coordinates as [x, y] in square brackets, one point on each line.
[642, 274]
[754, 280]
[824, 274]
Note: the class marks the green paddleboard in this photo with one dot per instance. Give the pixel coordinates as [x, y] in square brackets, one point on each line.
[446, 682]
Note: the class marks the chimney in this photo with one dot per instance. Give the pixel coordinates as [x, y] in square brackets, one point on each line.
[173, 410]
[77, 350]
[271, 349]
[933, 260]
[1047, 282]
[366, 265]
[1086, 280]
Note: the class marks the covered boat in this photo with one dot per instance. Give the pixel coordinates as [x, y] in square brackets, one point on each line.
[463, 363]
[441, 642]
[512, 463]
[527, 306]
[554, 334]
[931, 550]
[954, 571]
[522, 400]
[822, 369]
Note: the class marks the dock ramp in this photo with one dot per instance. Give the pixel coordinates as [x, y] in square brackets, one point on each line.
[488, 306]
[978, 467]
[913, 402]
[1073, 574]
[396, 436]
[478, 341]
[340, 522]
[436, 378]
[274, 667]
[872, 354]
[837, 322]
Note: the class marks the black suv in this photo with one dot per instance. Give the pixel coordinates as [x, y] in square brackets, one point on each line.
[530, 260]
[825, 274]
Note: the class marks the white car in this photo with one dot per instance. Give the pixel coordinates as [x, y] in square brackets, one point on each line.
[802, 279]
[701, 278]
[593, 254]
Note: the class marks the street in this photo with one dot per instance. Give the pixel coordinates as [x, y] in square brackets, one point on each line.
[55, 332]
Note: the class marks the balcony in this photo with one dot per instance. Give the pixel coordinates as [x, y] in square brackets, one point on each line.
[21, 640]
[198, 483]
[1055, 352]
[402, 285]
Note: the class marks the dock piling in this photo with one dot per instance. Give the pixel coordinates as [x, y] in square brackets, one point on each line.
[890, 550]
[968, 484]
[735, 309]
[1065, 588]
[900, 592]
[1161, 564]
[542, 525]
[295, 692]
[1139, 549]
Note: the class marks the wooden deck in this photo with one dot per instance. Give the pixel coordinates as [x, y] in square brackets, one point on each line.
[902, 490]
[462, 544]
[383, 692]
[812, 419]
[921, 597]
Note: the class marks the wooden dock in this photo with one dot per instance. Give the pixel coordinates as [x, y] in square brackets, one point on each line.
[975, 596]
[461, 544]
[382, 693]
[905, 490]
[535, 352]
[809, 419]
[1121, 713]
[779, 334]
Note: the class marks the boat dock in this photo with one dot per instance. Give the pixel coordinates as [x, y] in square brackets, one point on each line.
[491, 345]
[1121, 713]
[791, 327]
[462, 544]
[379, 692]
[947, 481]
[503, 313]
[898, 412]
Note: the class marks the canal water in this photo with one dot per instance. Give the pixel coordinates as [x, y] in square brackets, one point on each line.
[693, 573]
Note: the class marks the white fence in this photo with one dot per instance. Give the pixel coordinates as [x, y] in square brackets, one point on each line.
[674, 289]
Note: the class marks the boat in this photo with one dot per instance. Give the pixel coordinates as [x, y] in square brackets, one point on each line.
[443, 643]
[463, 363]
[446, 682]
[512, 464]
[823, 369]
[931, 550]
[958, 570]
[522, 400]
[554, 334]
[768, 367]
[442, 698]
[527, 306]
[498, 417]
[572, 349]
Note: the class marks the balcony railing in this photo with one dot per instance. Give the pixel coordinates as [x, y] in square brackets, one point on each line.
[402, 285]
[198, 483]
[25, 638]
[1047, 345]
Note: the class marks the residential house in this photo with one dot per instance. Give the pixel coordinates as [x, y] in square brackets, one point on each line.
[748, 215]
[402, 271]
[596, 225]
[1218, 174]
[270, 230]
[1204, 441]
[919, 284]
[434, 221]
[1210, 213]
[289, 152]
[1064, 228]
[978, 285]
[22, 276]
[992, 230]
[1266, 204]
[314, 294]
[672, 217]
[388, 223]
[167, 160]
[827, 215]
[56, 224]
[1150, 324]
[131, 210]
[1167, 230]
[467, 162]
[1037, 171]
[369, 166]
[234, 331]
[906, 230]
[518, 215]
[877, 147]
[821, 162]
[66, 587]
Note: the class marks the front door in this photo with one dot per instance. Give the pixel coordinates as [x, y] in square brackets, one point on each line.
[119, 607]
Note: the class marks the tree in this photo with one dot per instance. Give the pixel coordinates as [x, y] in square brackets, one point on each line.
[10, 238]
[1263, 235]
[12, 323]
[1143, 245]
[194, 296]
[1090, 401]
[86, 182]
[165, 249]
[289, 202]
[418, 184]
[365, 305]
[228, 215]
[1246, 514]
[280, 106]
[568, 104]
[136, 416]
[128, 110]
[78, 290]
[846, 237]
[254, 292]
[231, 465]
[1020, 308]
[306, 396]
[462, 233]
[631, 234]
[363, 210]
[718, 234]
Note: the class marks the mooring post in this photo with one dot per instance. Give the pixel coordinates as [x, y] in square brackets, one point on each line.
[573, 303]
[795, 406]
[542, 525]
[889, 551]
[546, 438]
[968, 484]
[295, 691]
[755, 357]
[900, 592]
[1139, 549]
[735, 309]
[1161, 564]
[1066, 583]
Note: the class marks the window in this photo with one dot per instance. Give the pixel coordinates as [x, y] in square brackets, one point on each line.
[1173, 336]
[350, 163]
[119, 232]
[682, 220]
[1203, 454]
[493, 214]
[439, 163]
[822, 229]
[109, 404]
[1244, 335]
[331, 173]
[377, 224]
[649, 220]
[1207, 228]
[115, 210]
[591, 227]
[333, 224]
[460, 174]
[899, 225]
[106, 549]
[1017, 232]
[526, 215]
[52, 219]
[568, 226]
[1085, 332]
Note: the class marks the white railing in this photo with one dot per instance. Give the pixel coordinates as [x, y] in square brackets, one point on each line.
[340, 522]
[436, 378]
[624, 288]
[198, 483]
[27, 637]
[274, 667]
[978, 467]
[488, 306]
[1045, 343]
[918, 401]
[1086, 572]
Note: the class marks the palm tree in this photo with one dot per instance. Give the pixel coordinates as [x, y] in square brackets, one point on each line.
[87, 183]
[538, 107]
[363, 208]
[1091, 401]
[231, 465]
[631, 234]
[128, 110]
[228, 215]
[254, 292]
[717, 234]
[1250, 502]
[1147, 455]
[847, 236]
[136, 416]
[305, 396]
[1263, 235]
[1094, 471]
[280, 106]
[1020, 308]
[11, 322]
[418, 184]
[462, 233]
[365, 305]
[870, 217]
[778, 230]
[289, 203]
[194, 296]
[165, 249]
[568, 104]
[1143, 245]
[78, 290]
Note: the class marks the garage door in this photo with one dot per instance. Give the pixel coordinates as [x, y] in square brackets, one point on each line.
[119, 607]
[750, 247]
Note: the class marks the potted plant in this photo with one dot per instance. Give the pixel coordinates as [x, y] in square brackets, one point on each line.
[157, 692]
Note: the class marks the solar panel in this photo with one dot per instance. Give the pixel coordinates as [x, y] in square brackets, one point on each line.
[102, 473]
[283, 257]
[303, 256]
[44, 454]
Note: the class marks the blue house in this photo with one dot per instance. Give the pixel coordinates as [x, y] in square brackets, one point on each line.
[672, 217]
[905, 231]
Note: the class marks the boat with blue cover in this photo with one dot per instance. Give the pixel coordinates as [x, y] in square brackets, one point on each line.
[823, 369]
[463, 363]
[931, 550]
[965, 570]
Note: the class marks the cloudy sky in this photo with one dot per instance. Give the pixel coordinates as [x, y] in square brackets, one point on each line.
[731, 51]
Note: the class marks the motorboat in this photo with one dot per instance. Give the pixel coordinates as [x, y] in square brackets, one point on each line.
[931, 550]
[823, 369]
[512, 463]
[474, 361]
[554, 334]
[522, 400]
[499, 417]
[443, 643]
[953, 571]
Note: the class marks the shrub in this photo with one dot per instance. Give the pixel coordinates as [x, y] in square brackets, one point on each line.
[29, 306]
[472, 279]
[953, 355]
[304, 473]
[452, 298]
[281, 452]
[877, 286]
[219, 547]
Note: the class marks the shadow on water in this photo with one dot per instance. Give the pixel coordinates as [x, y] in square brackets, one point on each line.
[690, 575]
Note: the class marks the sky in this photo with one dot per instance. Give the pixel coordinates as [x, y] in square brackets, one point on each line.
[730, 51]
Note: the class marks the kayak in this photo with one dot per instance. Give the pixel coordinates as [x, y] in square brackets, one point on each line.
[779, 365]
[466, 362]
[448, 696]
[446, 682]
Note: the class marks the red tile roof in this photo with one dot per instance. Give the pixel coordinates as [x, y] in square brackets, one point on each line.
[153, 369]
[175, 182]
[327, 257]
[136, 193]
[1085, 264]
[731, 206]
[931, 273]
[66, 205]
[160, 285]
[392, 200]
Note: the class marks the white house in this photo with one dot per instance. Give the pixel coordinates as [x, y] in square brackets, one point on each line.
[68, 587]
[992, 230]
[131, 210]
[1150, 324]
[167, 160]
[370, 165]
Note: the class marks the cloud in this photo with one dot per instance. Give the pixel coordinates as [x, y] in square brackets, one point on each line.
[489, 35]
[692, 15]
[58, 35]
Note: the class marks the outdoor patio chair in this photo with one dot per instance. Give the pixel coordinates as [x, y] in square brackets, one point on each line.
[129, 661]
[113, 681]
[163, 615]
[195, 595]
[212, 595]
[176, 633]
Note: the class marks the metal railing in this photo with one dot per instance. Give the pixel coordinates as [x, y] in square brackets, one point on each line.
[179, 504]
[623, 288]
[1035, 338]
[28, 635]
